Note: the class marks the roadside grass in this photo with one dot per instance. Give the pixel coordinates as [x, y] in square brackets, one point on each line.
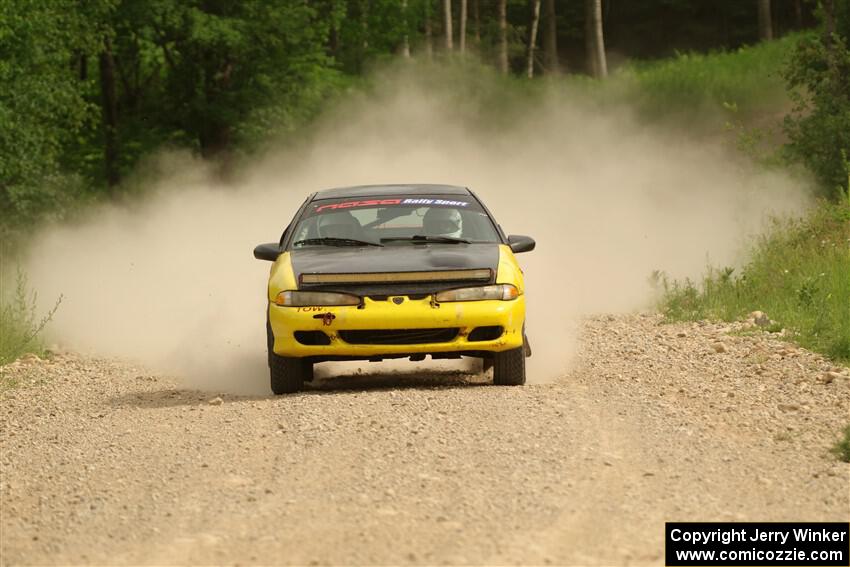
[842, 447]
[20, 325]
[747, 81]
[798, 274]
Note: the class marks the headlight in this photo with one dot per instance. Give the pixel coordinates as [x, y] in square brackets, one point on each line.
[504, 292]
[312, 298]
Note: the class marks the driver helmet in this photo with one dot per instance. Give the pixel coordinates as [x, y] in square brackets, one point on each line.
[439, 221]
[340, 224]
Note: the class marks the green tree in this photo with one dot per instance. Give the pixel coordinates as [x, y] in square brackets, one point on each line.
[378, 28]
[225, 59]
[42, 101]
[818, 76]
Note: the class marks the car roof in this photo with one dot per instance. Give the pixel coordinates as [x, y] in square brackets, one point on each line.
[382, 190]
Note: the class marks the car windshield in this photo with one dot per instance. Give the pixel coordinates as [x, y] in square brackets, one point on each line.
[394, 221]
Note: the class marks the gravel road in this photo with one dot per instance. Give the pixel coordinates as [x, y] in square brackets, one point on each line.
[105, 463]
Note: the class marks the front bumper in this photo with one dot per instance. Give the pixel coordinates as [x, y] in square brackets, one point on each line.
[388, 316]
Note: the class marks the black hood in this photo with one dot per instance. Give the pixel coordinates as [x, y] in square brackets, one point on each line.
[393, 258]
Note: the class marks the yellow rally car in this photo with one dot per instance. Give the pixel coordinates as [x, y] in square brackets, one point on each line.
[394, 271]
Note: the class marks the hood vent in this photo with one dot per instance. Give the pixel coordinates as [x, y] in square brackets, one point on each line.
[477, 275]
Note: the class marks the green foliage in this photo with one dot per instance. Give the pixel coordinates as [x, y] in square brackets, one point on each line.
[842, 447]
[746, 81]
[818, 76]
[799, 275]
[20, 326]
[42, 107]
[89, 87]
[225, 59]
[365, 31]
[212, 76]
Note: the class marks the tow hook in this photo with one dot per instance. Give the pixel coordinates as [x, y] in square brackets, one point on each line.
[327, 318]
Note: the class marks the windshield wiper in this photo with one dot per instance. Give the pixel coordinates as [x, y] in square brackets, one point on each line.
[424, 239]
[334, 241]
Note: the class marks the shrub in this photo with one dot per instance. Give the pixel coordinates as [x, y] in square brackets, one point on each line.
[818, 78]
[20, 327]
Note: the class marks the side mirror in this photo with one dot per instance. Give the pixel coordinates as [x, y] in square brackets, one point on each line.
[269, 251]
[519, 243]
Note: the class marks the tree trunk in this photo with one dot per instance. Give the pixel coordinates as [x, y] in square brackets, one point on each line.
[405, 42]
[110, 114]
[589, 43]
[765, 23]
[828, 8]
[594, 39]
[364, 24]
[601, 57]
[333, 31]
[214, 131]
[429, 35]
[550, 40]
[462, 32]
[798, 13]
[532, 37]
[81, 61]
[447, 14]
[828, 21]
[476, 17]
[503, 36]
[214, 141]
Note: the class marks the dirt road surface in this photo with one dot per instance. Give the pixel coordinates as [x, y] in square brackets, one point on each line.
[105, 463]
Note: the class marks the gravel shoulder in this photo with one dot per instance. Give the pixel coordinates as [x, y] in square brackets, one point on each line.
[105, 463]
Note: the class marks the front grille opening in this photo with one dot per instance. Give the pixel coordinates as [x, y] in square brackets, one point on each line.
[410, 296]
[399, 336]
[312, 338]
[485, 333]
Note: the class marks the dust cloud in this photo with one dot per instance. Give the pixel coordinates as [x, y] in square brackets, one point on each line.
[170, 281]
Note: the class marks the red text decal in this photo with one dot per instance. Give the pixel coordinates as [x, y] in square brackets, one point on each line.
[351, 204]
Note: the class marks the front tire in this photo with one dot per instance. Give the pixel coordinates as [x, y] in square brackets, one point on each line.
[509, 367]
[288, 374]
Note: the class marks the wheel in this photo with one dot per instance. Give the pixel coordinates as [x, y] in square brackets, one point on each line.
[289, 374]
[509, 367]
[525, 344]
[269, 340]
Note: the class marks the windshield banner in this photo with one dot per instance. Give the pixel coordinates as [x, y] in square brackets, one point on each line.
[407, 202]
